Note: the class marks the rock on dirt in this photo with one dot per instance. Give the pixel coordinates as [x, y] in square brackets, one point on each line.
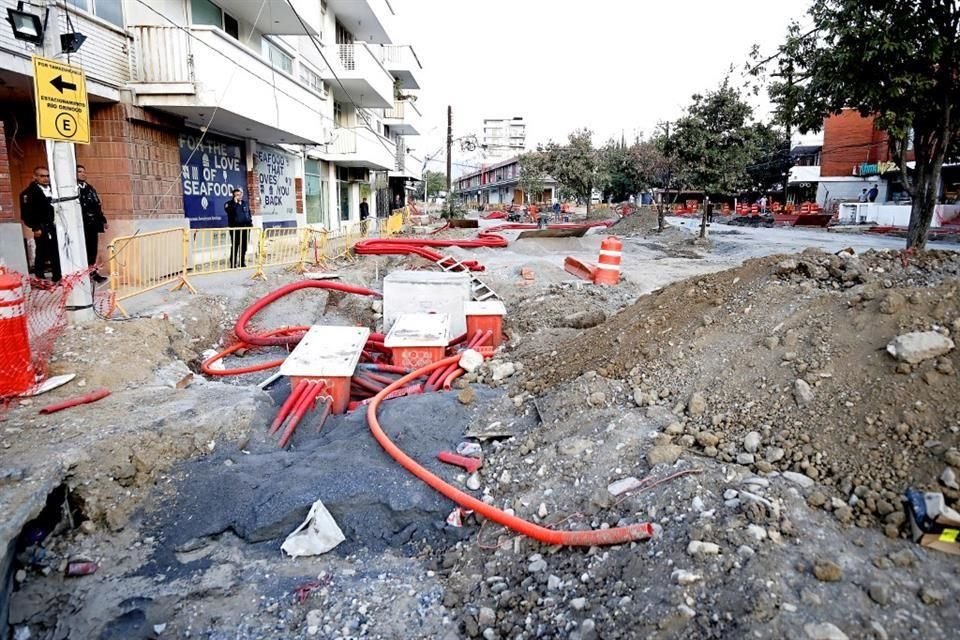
[664, 454]
[584, 319]
[824, 631]
[914, 348]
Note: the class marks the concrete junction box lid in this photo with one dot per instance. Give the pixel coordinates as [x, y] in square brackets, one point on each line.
[484, 308]
[327, 352]
[419, 330]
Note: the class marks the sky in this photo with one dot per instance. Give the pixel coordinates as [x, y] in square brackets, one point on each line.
[609, 65]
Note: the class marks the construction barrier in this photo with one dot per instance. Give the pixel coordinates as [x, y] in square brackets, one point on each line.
[280, 246]
[222, 249]
[145, 261]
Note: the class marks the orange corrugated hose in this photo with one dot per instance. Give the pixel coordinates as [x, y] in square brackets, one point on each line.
[596, 537]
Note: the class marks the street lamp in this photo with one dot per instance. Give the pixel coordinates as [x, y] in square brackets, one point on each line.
[26, 26]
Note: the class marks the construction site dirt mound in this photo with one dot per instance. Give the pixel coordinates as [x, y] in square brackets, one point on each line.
[794, 349]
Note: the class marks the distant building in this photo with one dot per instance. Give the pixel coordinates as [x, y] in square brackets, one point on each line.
[504, 137]
[500, 184]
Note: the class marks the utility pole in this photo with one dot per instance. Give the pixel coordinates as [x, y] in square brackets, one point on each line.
[449, 159]
[65, 194]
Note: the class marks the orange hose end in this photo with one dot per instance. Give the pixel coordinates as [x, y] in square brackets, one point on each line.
[596, 537]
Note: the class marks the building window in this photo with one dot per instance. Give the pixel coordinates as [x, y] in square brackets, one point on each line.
[205, 12]
[109, 10]
[278, 58]
[312, 80]
[343, 36]
[315, 194]
[339, 116]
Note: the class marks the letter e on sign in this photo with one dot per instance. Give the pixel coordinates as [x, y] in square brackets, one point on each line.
[60, 92]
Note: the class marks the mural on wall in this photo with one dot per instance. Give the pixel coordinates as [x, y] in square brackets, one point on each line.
[210, 169]
[275, 172]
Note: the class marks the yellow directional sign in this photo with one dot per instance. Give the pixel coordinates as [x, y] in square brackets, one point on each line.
[61, 95]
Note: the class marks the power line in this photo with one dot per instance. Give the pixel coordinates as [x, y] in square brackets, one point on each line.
[216, 109]
[235, 65]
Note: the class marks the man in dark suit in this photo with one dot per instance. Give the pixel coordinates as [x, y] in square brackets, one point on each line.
[94, 222]
[36, 210]
[239, 221]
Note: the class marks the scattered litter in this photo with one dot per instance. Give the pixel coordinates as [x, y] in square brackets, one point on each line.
[932, 523]
[159, 628]
[318, 534]
[470, 465]
[93, 396]
[76, 568]
[457, 516]
[217, 365]
[470, 449]
[622, 486]
[50, 384]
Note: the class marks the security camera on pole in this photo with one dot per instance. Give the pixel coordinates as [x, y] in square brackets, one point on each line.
[63, 119]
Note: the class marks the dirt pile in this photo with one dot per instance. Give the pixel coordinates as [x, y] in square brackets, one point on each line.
[791, 352]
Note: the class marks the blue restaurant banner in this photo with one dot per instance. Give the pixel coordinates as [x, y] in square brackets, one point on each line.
[217, 166]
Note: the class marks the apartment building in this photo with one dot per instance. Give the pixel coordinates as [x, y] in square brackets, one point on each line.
[499, 183]
[504, 137]
[308, 105]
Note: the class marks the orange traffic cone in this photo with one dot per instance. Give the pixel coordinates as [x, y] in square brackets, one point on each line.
[608, 270]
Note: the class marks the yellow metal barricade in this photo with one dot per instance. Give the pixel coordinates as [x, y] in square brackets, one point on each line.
[223, 249]
[395, 224]
[280, 246]
[314, 247]
[145, 261]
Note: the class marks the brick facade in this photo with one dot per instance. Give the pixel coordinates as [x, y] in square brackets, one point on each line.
[849, 140]
[298, 189]
[253, 192]
[134, 162]
[6, 183]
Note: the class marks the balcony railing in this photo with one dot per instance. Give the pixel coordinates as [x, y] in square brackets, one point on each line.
[400, 110]
[399, 56]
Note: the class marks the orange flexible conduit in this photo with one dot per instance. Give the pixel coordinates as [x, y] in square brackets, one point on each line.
[595, 537]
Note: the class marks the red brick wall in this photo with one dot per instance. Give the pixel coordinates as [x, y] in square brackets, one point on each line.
[848, 140]
[298, 189]
[134, 162]
[24, 151]
[6, 186]
[253, 192]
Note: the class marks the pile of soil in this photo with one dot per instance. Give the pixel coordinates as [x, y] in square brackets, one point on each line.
[794, 349]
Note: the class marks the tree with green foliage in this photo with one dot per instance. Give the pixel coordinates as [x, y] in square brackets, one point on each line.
[715, 142]
[622, 171]
[895, 60]
[577, 165]
[433, 182]
[532, 174]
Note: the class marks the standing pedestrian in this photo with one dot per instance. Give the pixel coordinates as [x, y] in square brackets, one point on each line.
[863, 196]
[94, 222]
[364, 215]
[239, 219]
[36, 210]
[873, 193]
[763, 204]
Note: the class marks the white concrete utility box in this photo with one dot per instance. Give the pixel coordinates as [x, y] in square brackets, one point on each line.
[418, 339]
[326, 352]
[426, 292]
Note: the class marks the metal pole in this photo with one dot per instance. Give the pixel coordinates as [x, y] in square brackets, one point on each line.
[62, 165]
[449, 159]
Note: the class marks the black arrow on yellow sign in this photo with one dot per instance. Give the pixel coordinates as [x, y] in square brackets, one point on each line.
[59, 84]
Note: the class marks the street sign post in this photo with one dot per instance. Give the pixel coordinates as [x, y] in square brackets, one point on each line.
[61, 97]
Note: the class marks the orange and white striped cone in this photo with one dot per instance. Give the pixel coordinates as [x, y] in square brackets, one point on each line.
[16, 374]
[608, 269]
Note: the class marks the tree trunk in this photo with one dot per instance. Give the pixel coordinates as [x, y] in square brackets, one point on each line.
[925, 185]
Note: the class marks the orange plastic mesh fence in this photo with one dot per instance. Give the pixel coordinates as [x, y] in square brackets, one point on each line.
[44, 313]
